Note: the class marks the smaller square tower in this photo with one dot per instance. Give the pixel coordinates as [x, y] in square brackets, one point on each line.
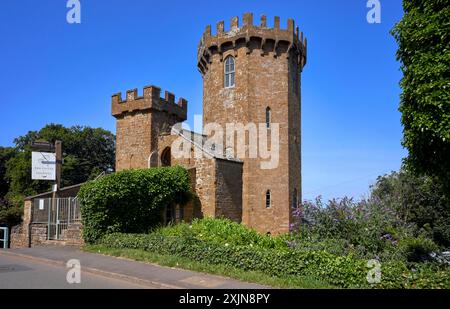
[139, 122]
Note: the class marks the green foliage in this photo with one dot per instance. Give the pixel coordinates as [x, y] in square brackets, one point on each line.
[367, 228]
[417, 249]
[86, 153]
[222, 231]
[6, 153]
[343, 271]
[419, 200]
[295, 282]
[9, 214]
[423, 36]
[18, 173]
[131, 201]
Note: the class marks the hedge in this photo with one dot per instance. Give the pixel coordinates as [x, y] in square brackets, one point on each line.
[131, 201]
[340, 271]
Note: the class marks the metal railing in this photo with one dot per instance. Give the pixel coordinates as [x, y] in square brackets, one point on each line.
[4, 237]
[57, 213]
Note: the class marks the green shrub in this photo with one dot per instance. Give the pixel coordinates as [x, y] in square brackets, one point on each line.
[419, 200]
[131, 201]
[342, 271]
[417, 249]
[223, 231]
[370, 229]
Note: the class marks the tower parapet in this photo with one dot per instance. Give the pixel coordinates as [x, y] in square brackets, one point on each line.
[277, 40]
[150, 100]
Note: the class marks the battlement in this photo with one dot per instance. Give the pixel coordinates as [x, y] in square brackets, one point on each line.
[150, 100]
[276, 39]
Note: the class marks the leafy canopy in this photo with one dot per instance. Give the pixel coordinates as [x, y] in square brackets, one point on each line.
[423, 36]
[131, 201]
[86, 153]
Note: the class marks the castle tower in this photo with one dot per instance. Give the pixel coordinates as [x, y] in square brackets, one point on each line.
[139, 122]
[251, 74]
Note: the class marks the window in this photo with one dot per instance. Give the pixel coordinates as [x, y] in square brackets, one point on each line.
[268, 199]
[229, 72]
[295, 199]
[268, 116]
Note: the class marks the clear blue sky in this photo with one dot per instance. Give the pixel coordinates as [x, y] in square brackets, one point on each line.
[52, 71]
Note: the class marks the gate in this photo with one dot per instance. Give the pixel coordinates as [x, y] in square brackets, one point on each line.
[4, 237]
[57, 214]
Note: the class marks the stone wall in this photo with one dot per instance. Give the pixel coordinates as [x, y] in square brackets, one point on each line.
[33, 234]
[205, 186]
[39, 234]
[229, 189]
[268, 63]
[73, 235]
[20, 234]
[132, 150]
[140, 121]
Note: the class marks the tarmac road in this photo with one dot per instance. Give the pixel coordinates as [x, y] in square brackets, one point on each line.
[21, 273]
[45, 267]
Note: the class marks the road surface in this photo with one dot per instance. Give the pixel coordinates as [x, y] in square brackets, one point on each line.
[45, 267]
[22, 273]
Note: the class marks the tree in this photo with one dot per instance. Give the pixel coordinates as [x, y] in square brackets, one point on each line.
[6, 153]
[420, 200]
[86, 153]
[423, 36]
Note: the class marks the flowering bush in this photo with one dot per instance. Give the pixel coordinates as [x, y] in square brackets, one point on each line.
[340, 270]
[368, 228]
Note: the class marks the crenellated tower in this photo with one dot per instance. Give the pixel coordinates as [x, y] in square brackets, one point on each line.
[139, 122]
[252, 74]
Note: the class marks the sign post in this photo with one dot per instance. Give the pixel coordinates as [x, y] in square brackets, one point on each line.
[43, 166]
[47, 161]
[46, 165]
[58, 154]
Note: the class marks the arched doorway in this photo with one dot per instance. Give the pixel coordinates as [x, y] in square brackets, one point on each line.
[166, 157]
[153, 159]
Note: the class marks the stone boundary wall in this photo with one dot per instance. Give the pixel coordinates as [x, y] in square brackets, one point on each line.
[28, 234]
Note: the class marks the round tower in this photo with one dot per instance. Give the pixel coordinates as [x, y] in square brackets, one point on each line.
[251, 75]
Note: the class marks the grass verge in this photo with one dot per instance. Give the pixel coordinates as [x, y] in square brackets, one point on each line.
[293, 282]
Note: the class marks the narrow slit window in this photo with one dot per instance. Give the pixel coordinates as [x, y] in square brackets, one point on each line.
[268, 117]
[229, 72]
[268, 201]
[295, 199]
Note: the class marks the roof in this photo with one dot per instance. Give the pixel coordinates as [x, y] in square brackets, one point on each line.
[62, 190]
[194, 138]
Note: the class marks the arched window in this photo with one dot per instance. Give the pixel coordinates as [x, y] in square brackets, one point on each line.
[229, 72]
[268, 202]
[268, 117]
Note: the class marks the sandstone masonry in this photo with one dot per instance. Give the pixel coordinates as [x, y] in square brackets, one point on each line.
[266, 77]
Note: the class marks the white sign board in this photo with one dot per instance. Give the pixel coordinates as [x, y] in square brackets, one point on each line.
[41, 204]
[43, 166]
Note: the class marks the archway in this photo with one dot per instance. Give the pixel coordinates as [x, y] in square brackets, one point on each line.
[166, 157]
